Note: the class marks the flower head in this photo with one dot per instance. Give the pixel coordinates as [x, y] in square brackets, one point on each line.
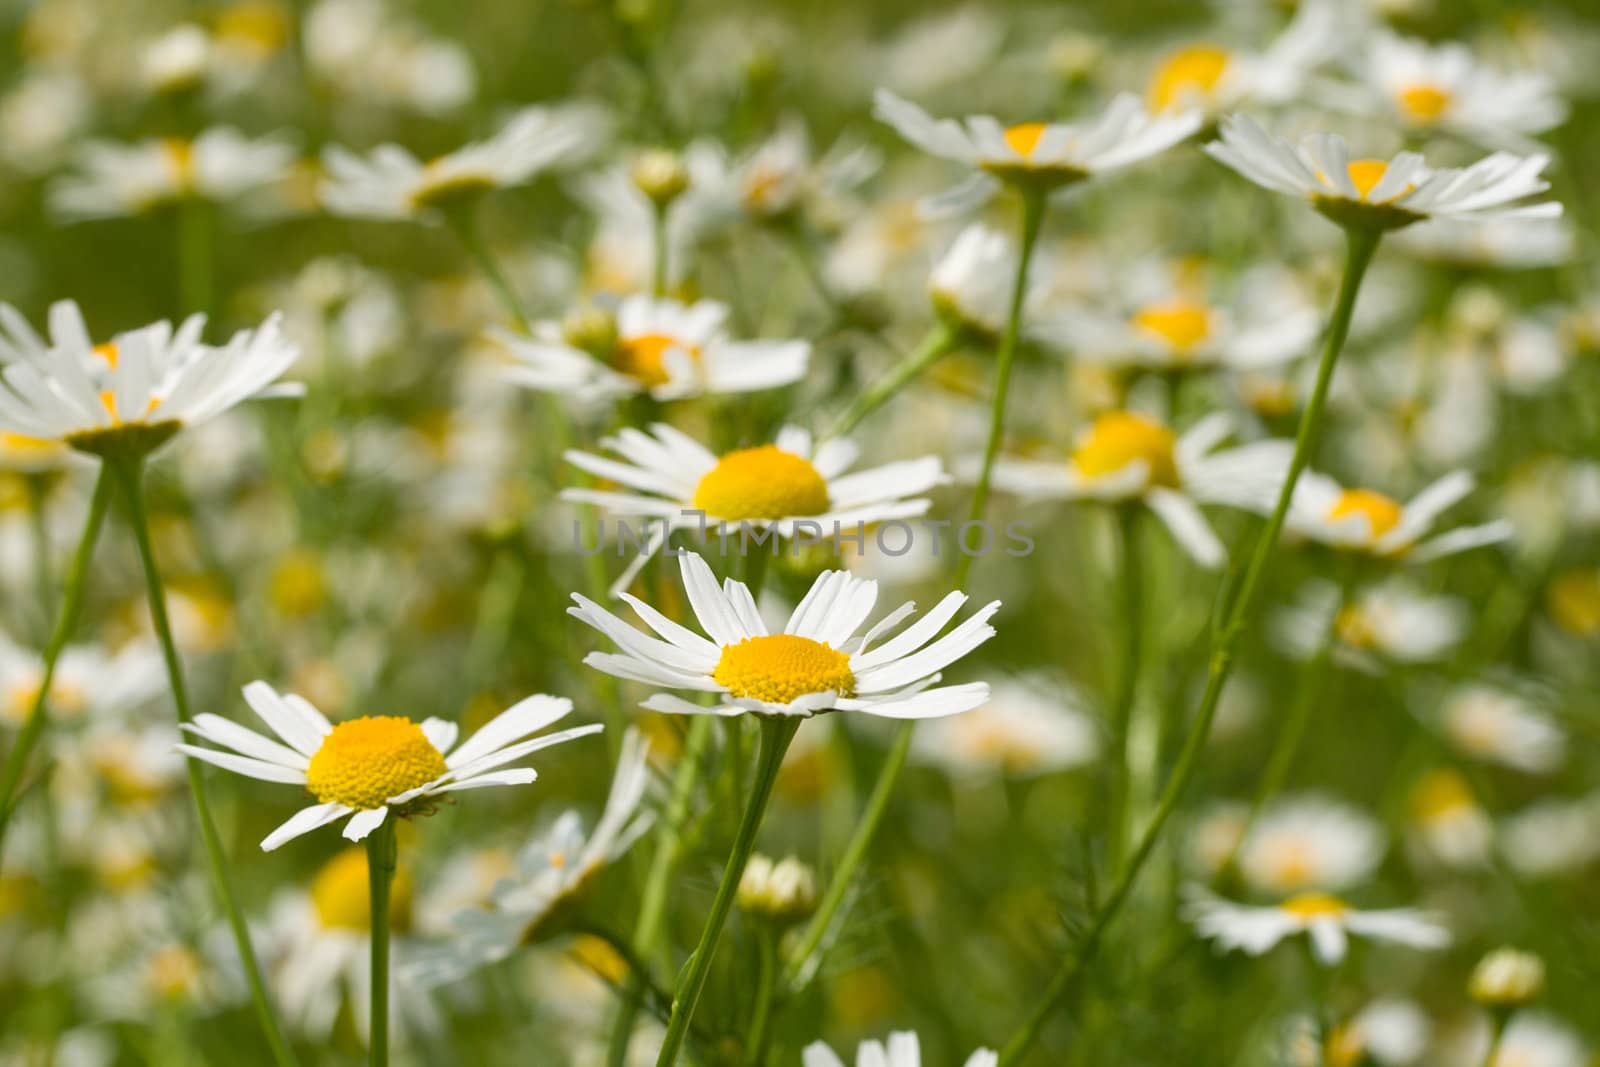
[1369, 522]
[1327, 920]
[1444, 87]
[221, 164]
[901, 1050]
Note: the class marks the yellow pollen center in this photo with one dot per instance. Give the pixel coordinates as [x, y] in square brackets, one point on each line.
[180, 158]
[364, 762]
[781, 667]
[1382, 513]
[172, 971]
[1315, 906]
[1574, 601]
[1190, 72]
[1023, 138]
[644, 357]
[1182, 324]
[1355, 627]
[1290, 865]
[1423, 103]
[1119, 438]
[1365, 174]
[341, 896]
[108, 352]
[761, 483]
[1440, 794]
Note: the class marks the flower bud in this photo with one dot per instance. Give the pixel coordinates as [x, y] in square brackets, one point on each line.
[592, 329]
[1507, 978]
[784, 892]
[660, 175]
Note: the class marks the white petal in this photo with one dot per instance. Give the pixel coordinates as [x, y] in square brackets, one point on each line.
[303, 822]
[364, 822]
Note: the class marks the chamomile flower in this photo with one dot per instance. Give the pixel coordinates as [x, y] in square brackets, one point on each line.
[90, 682]
[901, 1050]
[780, 176]
[367, 50]
[816, 663]
[791, 486]
[362, 768]
[143, 385]
[1501, 244]
[1447, 823]
[620, 256]
[970, 285]
[1034, 154]
[669, 349]
[1310, 844]
[1030, 726]
[1553, 837]
[1328, 921]
[1495, 723]
[1378, 194]
[1367, 521]
[1531, 1039]
[1390, 622]
[221, 164]
[1385, 1033]
[546, 878]
[1125, 456]
[1212, 78]
[391, 183]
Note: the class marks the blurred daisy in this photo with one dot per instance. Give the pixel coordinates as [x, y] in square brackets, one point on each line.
[221, 164]
[1127, 456]
[362, 768]
[1447, 823]
[1502, 244]
[1531, 1039]
[791, 486]
[547, 877]
[815, 664]
[1388, 622]
[1035, 154]
[1213, 78]
[367, 50]
[669, 349]
[1364, 520]
[90, 682]
[1328, 921]
[1381, 194]
[1497, 724]
[1310, 843]
[1385, 1033]
[1553, 837]
[900, 1050]
[971, 283]
[1029, 726]
[391, 183]
[147, 383]
[780, 175]
[620, 257]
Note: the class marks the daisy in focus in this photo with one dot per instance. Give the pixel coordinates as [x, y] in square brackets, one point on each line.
[391, 183]
[1368, 522]
[1128, 457]
[901, 1050]
[1326, 920]
[363, 768]
[792, 486]
[1376, 194]
[221, 164]
[659, 346]
[816, 663]
[1037, 155]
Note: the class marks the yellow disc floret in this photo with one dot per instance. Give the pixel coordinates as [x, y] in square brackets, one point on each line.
[342, 897]
[1182, 324]
[1423, 104]
[1365, 174]
[1119, 438]
[1186, 75]
[1574, 601]
[644, 357]
[781, 667]
[762, 483]
[1023, 138]
[364, 762]
[1315, 906]
[1382, 513]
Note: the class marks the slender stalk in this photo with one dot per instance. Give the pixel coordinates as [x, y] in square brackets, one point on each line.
[659, 249]
[194, 255]
[66, 622]
[776, 733]
[755, 1042]
[37, 486]
[383, 853]
[463, 223]
[1497, 1035]
[939, 342]
[1131, 596]
[1361, 244]
[129, 472]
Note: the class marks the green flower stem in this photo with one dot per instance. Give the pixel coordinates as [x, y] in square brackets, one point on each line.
[939, 342]
[129, 473]
[383, 854]
[1497, 1035]
[1361, 244]
[37, 487]
[776, 733]
[1131, 596]
[755, 1042]
[194, 255]
[66, 622]
[462, 221]
[659, 249]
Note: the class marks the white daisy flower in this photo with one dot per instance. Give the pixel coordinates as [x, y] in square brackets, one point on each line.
[90, 682]
[148, 382]
[548, 874]
[1531, 1039]
[791, 486]
[1310, 844]
[221, 164]
[1447, 823]
[1390, 622]
[1127, 456]
[1029, 726]
[1035, 154]
[620, 257]
[391, 183]
[1498, 244]
[815, 663]
[669, 349]
[971, 283]
[1213, 78]
[1366, 521]
[1380, 194]
[900, 1050]
[780, 175]
[1328, 921]
[369, 50]
[362, 768]
[1494, 723]
[1385, 1033]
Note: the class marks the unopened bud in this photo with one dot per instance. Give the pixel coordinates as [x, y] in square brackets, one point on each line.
[660, 175]
[592, 329]
[785, 892]
[1507, 978]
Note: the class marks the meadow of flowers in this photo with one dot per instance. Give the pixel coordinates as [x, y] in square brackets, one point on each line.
[807, 533]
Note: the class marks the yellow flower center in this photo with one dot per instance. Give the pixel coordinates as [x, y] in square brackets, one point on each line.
[1190, 72]
[1382, 513]
[172, 971]
[179, 155]
[1365, 174]
[297, 588]
[1355, 627]
[1574, 601]
[761, 483]
[1119, 438]
[65, 699]
[781, 667]
[986, 739]
[342, 899]
[1423, 104]
[1023, 138]
[1315, 906]
[644, 357]
[1440, 794]
[364, 762]
[1289, 864]
[1182, 324]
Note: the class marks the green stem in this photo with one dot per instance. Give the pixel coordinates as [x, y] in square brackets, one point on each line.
[1361, 244]
[755, 1042]
[194, 255]
[776, 733]
[463, 222]
[658, 265]
[37, 486]
[66, 622]
[129, 472]
[383, 853]
[1118, 807]
[939, 342]
[1497, 1035]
